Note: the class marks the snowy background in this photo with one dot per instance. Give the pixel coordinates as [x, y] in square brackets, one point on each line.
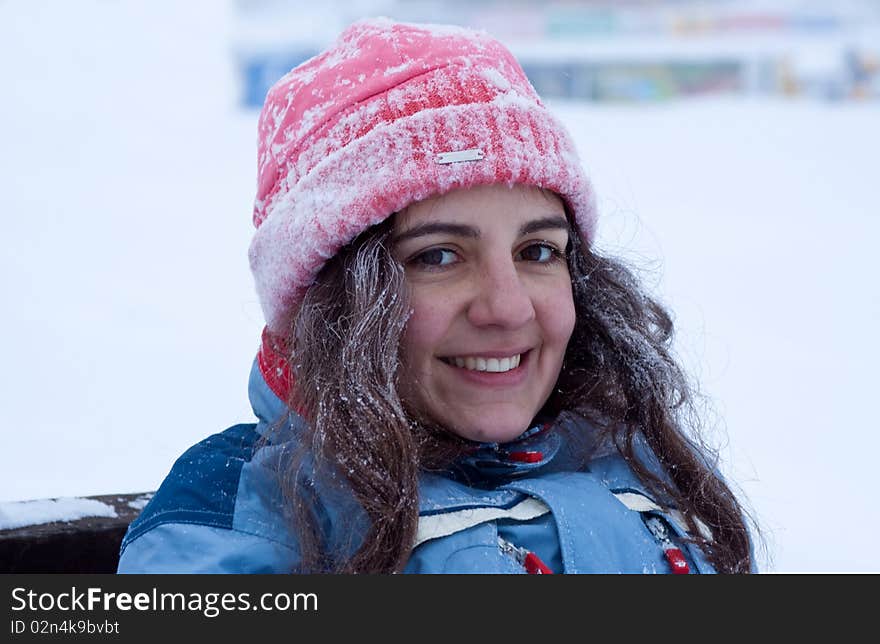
[127, 170]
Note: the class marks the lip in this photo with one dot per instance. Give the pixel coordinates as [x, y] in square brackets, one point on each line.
[502, 380]
[503, 353]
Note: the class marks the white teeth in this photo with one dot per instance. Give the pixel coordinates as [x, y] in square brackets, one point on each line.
[492, 365]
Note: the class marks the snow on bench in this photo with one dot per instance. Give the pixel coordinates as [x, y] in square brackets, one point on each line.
[72, 535]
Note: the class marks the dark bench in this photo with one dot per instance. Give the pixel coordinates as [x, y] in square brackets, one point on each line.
[87, 545]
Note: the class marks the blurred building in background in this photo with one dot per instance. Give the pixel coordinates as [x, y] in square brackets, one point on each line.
[599, 50]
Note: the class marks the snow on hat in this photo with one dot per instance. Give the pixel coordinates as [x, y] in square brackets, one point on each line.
[390, 114]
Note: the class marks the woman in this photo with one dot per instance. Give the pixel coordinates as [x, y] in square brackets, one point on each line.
[451, 379]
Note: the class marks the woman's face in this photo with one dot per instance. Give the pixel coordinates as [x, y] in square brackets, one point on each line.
[492, 307]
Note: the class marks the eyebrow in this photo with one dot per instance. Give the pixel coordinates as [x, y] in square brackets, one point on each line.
[545, 223]
[462, 230]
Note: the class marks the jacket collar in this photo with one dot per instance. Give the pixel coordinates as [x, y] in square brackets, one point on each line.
[268, 387]
[273, 365]
[489, 462]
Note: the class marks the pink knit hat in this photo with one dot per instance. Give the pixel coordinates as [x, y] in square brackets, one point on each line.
[391, 114]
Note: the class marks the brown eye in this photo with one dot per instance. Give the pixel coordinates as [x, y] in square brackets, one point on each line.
[541, 253]
[435, 257]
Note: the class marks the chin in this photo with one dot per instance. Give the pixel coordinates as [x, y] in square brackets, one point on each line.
[484, 432]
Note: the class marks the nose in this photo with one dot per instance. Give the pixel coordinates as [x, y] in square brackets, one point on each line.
[500, 296]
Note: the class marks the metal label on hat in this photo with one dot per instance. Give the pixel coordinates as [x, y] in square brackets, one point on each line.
[474, 154]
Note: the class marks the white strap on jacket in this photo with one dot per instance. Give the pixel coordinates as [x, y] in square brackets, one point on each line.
[434, 526]
[640, 503]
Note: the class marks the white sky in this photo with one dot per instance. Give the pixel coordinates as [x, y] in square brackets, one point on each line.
[129, 320]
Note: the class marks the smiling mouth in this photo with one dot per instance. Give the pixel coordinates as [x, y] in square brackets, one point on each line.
[492, 365]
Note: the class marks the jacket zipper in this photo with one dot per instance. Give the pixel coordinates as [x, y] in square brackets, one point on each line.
[673, 554]
[525, 558]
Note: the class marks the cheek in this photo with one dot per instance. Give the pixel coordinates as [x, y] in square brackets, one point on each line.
[425, 330]
[557, 314]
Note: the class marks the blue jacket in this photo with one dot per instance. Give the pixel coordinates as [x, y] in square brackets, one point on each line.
[501, 510]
